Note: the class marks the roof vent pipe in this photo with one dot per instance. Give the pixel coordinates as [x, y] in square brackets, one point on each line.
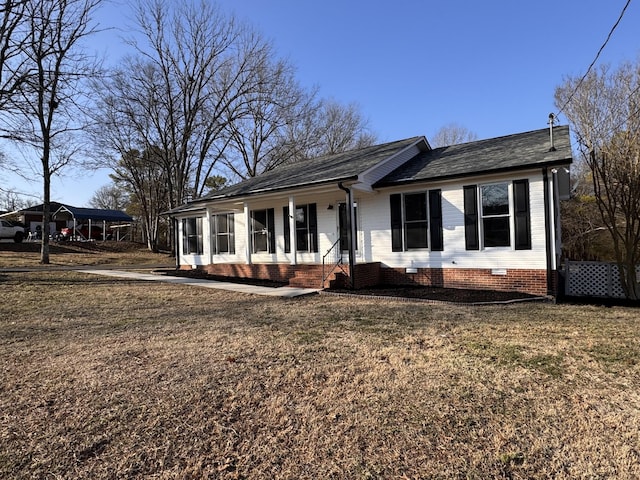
[552, 119]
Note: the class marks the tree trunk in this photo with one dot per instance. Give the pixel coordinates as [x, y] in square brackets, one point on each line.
[46, 218]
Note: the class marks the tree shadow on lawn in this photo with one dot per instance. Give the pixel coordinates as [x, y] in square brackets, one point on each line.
[453, 295]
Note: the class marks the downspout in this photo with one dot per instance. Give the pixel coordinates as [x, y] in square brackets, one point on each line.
[350, 234]
[557, 220]
[548, 232]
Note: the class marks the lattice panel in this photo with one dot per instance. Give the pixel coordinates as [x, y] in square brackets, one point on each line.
[616, 286]
[594, 279]
[589, 279]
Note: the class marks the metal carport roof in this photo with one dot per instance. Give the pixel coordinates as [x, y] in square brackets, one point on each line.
[93, 214]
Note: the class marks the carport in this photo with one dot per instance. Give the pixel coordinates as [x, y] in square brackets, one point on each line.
[92, 216]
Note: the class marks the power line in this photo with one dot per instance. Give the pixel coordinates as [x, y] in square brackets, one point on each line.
[594, 60]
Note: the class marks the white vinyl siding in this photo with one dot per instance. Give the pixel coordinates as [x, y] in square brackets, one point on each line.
[376, 220]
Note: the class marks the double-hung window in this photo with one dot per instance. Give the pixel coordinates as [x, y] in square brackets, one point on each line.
[488, 210]
[263, 231]
[192, 236]
[306, 228]
[494, 200]
[416, 221]
[222, 233]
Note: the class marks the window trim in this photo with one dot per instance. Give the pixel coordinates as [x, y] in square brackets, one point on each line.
[433, 221]
[484, 218]
[269, 229]
[187, 236]
[230, 234]
[310, 230]
[519, 215]
[417, 222]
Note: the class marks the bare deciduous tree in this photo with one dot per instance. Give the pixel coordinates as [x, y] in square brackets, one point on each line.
[604, 110]
[193, 69]
[452, 134]
[202, 64]
[110, 197]
[13, 69]
[142, 173]
[257, 132]
[208, 96]
[342, 128]
[12, 201]
[325, 127]
[46, 113]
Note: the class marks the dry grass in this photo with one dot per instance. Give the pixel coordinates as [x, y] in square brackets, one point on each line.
[106, 378]
[26, 254]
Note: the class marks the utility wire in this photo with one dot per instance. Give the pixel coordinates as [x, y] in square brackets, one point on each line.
[575, 90]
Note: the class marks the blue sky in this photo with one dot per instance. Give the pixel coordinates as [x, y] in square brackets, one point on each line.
[414, 66]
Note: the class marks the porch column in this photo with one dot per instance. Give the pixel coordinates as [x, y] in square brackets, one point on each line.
[247, 222]
[292, 231]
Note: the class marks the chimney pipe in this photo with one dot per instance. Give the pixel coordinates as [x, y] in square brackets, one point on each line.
[552, 119]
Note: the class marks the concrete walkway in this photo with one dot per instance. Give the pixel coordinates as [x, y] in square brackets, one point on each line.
[287, 292]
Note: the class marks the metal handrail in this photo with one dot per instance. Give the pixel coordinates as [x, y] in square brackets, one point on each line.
[338, 262]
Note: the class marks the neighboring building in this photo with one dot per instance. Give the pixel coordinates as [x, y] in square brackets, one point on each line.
[32, 218]
[480, 215]
[68, 217]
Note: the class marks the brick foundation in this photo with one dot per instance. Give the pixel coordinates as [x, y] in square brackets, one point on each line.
[520, 280]
[370, 274]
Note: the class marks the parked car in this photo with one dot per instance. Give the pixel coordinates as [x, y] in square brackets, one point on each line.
[12, 230]
[83, 232]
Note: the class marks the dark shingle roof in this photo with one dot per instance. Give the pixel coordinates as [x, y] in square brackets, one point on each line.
[511, 152]
[329, 168]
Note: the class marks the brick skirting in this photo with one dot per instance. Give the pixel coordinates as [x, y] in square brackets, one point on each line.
[520, 280]
[370, 274]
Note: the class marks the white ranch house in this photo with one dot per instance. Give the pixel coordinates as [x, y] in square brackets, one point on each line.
[481, 215]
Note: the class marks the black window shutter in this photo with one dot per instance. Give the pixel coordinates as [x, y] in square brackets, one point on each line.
[287, 230]
[313, 227]
[435, 220]
[271, 231]
[471, 237]
[522, 215]
[232, 233]
[185, 236]
[396, 222]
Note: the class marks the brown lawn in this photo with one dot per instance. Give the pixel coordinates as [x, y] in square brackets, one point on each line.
[65, 254]
[104, 378]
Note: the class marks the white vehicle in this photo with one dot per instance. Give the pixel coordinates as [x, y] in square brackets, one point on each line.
[11, 230]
